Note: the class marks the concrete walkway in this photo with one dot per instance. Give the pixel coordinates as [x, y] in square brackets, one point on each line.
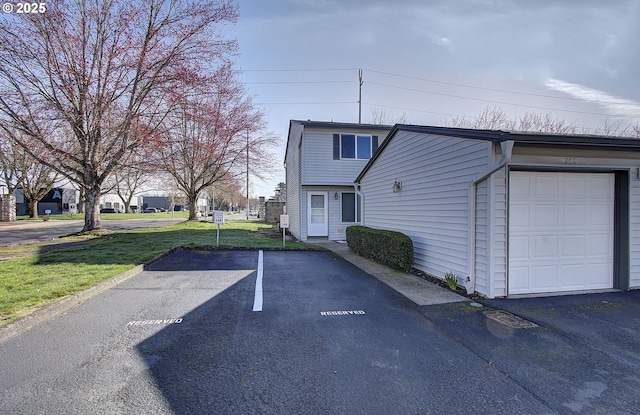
[416, 289]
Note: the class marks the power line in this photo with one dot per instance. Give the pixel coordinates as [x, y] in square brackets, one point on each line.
[475, 87]
[486, 100]
[414, 90]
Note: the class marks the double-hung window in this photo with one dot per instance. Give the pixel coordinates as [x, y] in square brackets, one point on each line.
[354, 146]
[351, 207]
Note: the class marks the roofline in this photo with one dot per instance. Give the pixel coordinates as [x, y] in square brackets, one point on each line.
[341, 125]
[335, 125]
[497, 136]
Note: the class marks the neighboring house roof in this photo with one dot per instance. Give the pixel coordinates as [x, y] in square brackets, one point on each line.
[341, 126]
[581, 140]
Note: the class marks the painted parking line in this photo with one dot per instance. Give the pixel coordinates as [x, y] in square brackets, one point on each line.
[257, 299]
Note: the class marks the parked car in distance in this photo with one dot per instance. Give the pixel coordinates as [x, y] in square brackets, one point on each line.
[151, 210]
[109, 210]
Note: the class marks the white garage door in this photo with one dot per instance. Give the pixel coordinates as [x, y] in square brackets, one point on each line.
[560, 231]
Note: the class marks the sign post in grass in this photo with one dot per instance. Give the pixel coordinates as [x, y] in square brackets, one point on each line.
[284, 224]
[218, 219]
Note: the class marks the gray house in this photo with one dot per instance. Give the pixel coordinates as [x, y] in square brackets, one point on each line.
[322, 160]
[511, 213]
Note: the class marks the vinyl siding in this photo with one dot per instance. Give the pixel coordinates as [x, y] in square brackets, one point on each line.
[310, 166]
[294, 191]
[498, 234]
[432, 208]
[319, 167]
[482, 237]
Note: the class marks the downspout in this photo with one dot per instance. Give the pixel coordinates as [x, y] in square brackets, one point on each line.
[356, 188]
[507, 150]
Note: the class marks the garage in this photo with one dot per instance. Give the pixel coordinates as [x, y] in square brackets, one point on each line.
[561, 231]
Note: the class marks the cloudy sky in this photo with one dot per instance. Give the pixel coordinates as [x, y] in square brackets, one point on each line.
[431, 60]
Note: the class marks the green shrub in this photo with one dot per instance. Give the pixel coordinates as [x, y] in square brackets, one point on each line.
[386, 247]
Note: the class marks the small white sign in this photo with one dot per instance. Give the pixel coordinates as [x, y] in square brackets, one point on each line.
[284, 221]
[218, 217]
[47, 212]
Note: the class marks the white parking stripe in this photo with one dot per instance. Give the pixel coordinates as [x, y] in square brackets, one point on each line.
[257, 300]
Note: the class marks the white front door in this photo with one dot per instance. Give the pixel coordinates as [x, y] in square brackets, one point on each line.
[560, 231]
[317, 214]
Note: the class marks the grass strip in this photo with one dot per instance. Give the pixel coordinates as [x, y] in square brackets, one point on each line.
[35, 280]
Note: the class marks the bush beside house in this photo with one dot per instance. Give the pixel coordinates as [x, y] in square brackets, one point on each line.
[386, 247]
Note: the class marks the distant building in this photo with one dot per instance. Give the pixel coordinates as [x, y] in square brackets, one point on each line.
[59, 200]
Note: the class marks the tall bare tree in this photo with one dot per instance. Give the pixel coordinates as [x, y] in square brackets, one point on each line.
[99, 72]
[208, 135]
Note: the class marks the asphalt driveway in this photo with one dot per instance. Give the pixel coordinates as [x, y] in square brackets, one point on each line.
[186, 336]
[582, 356]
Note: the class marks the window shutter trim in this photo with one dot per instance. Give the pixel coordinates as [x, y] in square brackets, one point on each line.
[336, 146]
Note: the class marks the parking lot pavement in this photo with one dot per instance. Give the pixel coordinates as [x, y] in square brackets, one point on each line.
[581, 358]
[416, 289]
[185, 337]
[182, 337]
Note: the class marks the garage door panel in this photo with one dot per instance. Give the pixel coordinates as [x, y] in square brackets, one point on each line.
[545, 216]
[572, 246]
[546, 187]
[522, 218]
[560, 231]
[573, 276]
[573, 215]
[574, 186]
[599, 245]
[519, 247]
[520, 280]
[593, 275]
[545, 246]
[545, 278]
[600, 215]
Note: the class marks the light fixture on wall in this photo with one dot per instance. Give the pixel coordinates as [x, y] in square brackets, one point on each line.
[335, 195]
[397, 186]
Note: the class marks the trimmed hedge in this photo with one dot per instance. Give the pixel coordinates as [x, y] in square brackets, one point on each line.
[386, 247]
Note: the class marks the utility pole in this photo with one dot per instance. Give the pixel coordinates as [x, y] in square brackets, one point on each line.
[359, 96]
[247, 174]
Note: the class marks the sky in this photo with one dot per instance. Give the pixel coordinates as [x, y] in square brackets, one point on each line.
[428, 61]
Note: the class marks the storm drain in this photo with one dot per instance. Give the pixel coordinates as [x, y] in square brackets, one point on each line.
[508, 319]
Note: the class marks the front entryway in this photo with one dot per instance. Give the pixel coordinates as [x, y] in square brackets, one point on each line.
[317, 214]
[561, 230]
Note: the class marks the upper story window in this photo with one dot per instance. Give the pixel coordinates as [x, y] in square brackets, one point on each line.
[354, 146]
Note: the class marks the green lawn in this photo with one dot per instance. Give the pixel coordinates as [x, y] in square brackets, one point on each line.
[32, 281]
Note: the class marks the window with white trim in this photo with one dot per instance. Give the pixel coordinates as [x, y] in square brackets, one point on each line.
[354, 146]
[351, 207]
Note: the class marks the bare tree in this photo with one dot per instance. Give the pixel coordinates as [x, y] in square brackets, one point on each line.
[99, 72]
[494, 118]
[208, 134]
[380, 116]
[21, 170]
[128, 180]
[10, 174]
